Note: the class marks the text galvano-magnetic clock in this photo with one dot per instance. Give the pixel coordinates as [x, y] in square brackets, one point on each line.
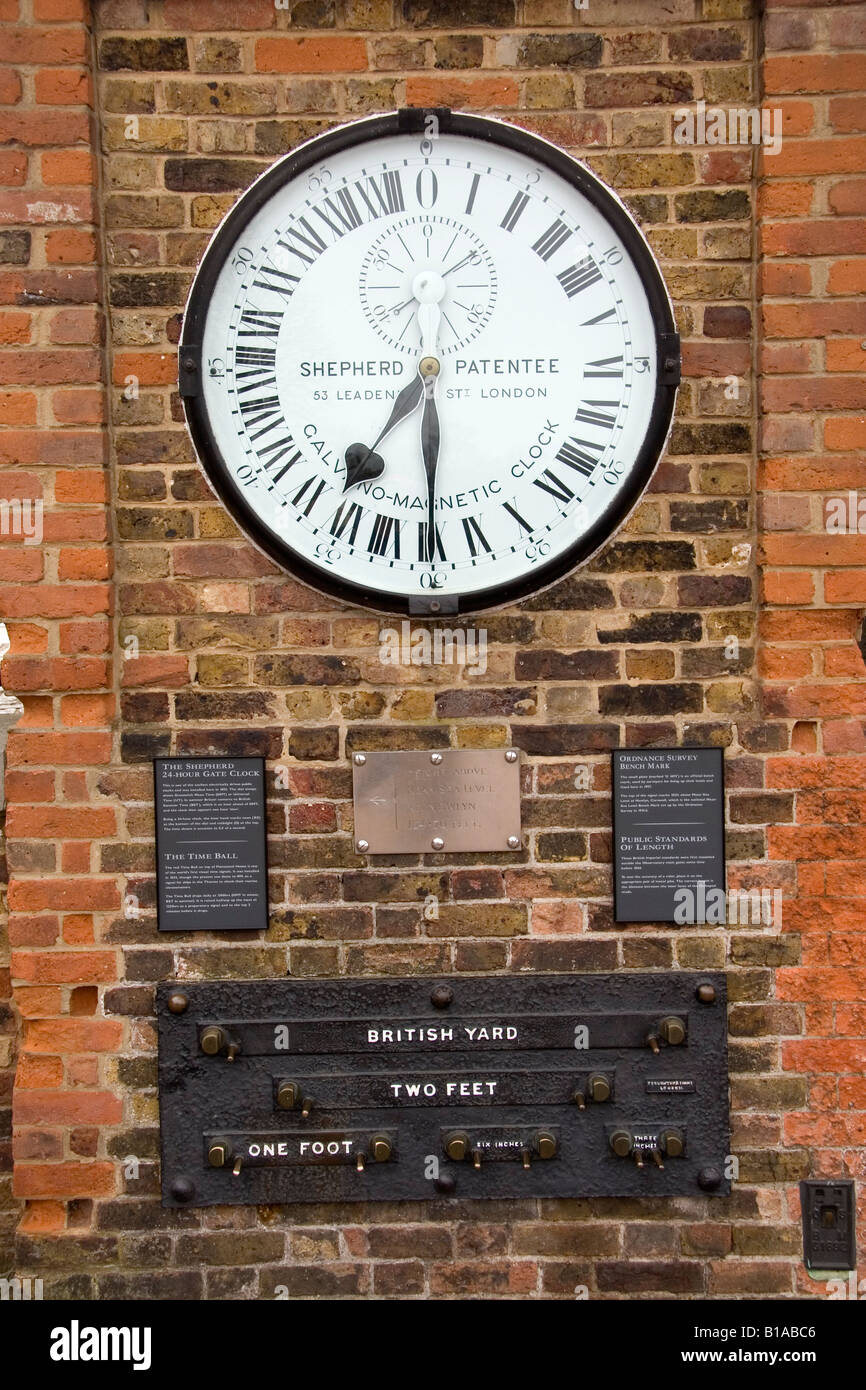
[429, 362]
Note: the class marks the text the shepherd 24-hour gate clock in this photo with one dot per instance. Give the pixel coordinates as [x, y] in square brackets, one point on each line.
[429, 362]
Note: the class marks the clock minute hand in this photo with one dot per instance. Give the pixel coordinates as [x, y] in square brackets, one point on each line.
[429, 288]
[364, 463]
[430, 448]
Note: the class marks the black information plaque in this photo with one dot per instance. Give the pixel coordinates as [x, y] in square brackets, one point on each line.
[211, 863]
[668, 832]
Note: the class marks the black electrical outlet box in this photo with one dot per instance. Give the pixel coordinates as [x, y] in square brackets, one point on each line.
[828, 1224]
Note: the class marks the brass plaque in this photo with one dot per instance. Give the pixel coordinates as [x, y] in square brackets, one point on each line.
[458, 800]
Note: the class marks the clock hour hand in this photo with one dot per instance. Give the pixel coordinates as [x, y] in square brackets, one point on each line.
[362, 463]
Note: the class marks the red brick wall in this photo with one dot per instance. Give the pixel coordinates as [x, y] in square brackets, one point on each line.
[762, 255]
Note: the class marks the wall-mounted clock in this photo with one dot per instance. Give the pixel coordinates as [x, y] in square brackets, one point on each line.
[429, 362]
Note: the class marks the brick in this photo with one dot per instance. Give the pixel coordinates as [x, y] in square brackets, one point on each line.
[331, 54]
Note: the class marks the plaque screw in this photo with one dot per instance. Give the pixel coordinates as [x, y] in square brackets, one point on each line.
[177, 1003]
[441, 996]
[189, 364]
[362, 846]
[182, 1190]
[446, 1183]
[709, 1179]
[436, 758]
[514, 842]
[706, 993]
[360, 759]
[511, 756]
[437, 842]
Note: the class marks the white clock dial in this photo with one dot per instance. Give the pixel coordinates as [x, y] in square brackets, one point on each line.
[428, 369]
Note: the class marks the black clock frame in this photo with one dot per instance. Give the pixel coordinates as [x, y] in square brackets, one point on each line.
[416, 120]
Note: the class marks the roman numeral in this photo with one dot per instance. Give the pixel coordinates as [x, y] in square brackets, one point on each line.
[576, 458]
[521, 521]
[314, 495]
[579, 276]
[605, 366]
[473, 532]
[551, 240]
[278, 451]
[387, 191]
[347, 518]
[277, 281]
[255, 366]
[473, 189]
[512, 217]
[555, 486]
[309, 237]
[260, 323]
[438, 548]
[263, 408]
[260, 359]
[344, 210]
[601, 419]
[599, 318]
[385, 533]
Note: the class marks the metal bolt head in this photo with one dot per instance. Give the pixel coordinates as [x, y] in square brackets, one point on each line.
[183, 1190]
[706, 993]
[514, 842]
[446, 1183]
[362, 846]
[436, 759]
[218, 1153]
[673, 1143]
[545, 1144]
[599, 1088]
[288, 1095]
[620, 1142]
[673, 1030]
[457, 1146]
[441, 996]
[511, 756]
[360, 759]
[437, 842]
[709, 1179]
[380, 1148]
[212, 1040]
[177, 1003]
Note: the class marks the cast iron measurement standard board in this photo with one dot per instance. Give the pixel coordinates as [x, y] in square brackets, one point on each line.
[276, 1091]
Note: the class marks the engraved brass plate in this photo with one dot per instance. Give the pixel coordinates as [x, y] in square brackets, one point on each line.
[456, 801]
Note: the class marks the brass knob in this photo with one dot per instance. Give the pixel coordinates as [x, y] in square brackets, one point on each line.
[599, 1088]
[673, 1030]
[620, 1142]
[288, 1095]
[457, 1146]
[380, 1148]
[212, 1040]
[545, 1144]
[218, 1154]
[672, 1143]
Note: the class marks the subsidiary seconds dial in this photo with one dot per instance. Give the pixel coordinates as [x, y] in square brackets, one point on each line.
[429, 373]
[393, 261]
